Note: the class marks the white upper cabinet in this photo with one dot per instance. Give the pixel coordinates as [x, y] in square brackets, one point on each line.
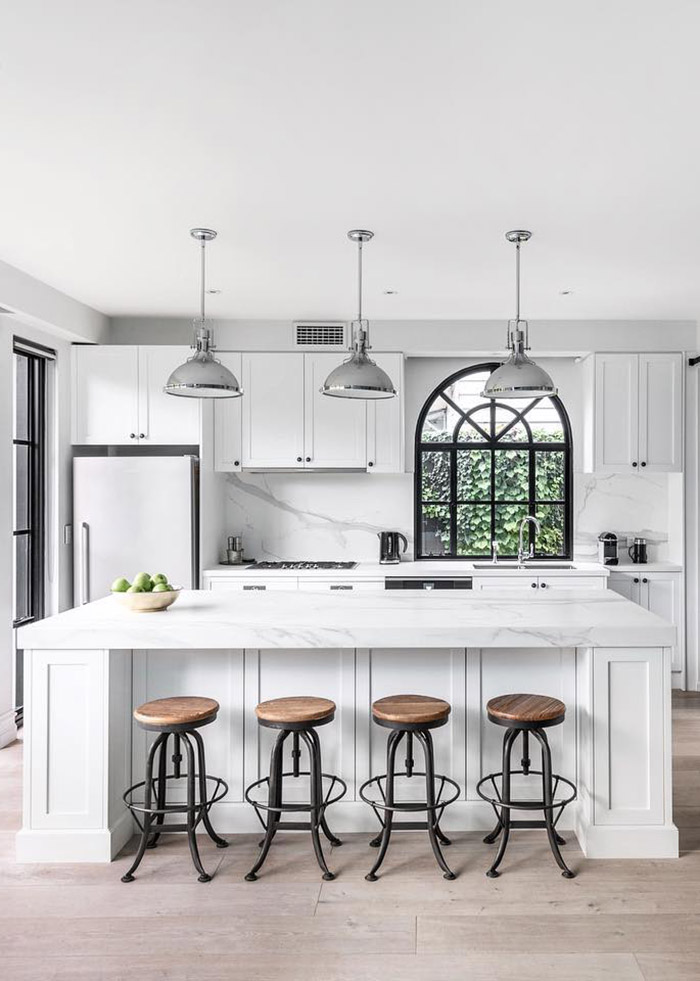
[386, 437]
[165, 419]
[634, 416]
[227, 422]
[661, 412]
[118, 397]
[287, 423]
[105, 406]
[335, 430]
[272, 410]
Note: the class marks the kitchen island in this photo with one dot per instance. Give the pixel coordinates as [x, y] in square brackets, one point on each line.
[605, 657]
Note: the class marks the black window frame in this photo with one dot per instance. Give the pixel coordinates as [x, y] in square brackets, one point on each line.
[36, 441]
[491, 444]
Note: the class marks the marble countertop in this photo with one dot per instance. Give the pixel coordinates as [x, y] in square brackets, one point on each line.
[424, 568]
[204, 619]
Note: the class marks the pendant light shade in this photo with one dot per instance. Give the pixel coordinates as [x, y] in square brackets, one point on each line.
[359, 377]
[519, 377]
[203, 376]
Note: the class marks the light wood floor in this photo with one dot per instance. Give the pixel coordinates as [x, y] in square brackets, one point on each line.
[622, 921]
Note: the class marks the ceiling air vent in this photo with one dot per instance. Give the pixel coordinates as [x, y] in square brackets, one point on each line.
[319, 335]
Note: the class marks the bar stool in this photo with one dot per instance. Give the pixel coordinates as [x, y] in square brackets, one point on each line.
[409, 717]
[180, 718]
[298, 716]
[526, 714]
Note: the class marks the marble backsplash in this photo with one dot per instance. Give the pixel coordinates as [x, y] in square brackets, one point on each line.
[338, 516]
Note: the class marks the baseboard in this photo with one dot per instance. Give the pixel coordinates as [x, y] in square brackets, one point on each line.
[8, 729]
[651, 841]
[74, 845]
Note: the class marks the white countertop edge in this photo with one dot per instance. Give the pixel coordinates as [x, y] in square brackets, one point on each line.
[424, 568]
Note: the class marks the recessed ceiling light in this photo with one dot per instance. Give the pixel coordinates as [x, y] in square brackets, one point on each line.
[565, 292]
[390, 292]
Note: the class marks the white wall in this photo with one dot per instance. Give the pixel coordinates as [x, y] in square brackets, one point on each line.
[338, 516]
[45, 316]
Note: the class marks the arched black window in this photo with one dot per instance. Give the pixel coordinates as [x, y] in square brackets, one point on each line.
[481, 466]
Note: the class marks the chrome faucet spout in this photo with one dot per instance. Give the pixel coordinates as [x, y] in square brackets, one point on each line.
[522, 554]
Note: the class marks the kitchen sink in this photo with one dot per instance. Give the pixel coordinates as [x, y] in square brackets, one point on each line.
[525, 567]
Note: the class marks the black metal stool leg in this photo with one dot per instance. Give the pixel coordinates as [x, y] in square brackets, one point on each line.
[316, 799]
[504, 818]
[392, 744]
[147, 818]
[547, 796]
[191, 813]
[275, 801]
[161, 786]
[206, 820]
[426, 741]
[335, 842]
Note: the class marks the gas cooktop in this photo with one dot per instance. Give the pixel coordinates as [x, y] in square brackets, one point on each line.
[304, 565]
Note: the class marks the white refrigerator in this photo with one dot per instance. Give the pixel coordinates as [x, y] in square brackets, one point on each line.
[133, 514]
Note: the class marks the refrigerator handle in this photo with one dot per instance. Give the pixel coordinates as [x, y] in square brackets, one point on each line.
[84, 563]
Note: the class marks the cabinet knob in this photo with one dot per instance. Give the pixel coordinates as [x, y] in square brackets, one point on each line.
[236, 463]
[142, 435]
[308, 459]
[543, 585]
[534, 585]
[643, 463]
[645, 580]
[370, 463]
[298, 459]
[634, 464]
[636, 579]
[132, 435]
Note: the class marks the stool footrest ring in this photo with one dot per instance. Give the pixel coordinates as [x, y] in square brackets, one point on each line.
[496, 801]
[218, 793]
[298, 806]
[409, 805]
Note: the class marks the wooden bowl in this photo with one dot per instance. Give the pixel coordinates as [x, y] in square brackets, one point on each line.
[148, 602]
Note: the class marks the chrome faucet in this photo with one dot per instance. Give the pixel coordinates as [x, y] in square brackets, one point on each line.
[522, 554]
[494, 552]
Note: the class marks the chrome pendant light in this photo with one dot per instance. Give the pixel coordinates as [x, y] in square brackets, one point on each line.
[203, 376]
[359, 377]
[519, 377]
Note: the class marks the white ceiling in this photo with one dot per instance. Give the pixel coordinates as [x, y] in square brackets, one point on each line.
[439, 124]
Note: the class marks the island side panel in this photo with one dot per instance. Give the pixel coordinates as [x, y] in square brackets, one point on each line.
[625, 753]
[76, 755]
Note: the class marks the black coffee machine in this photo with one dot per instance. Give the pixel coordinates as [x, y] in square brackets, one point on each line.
[389, 551]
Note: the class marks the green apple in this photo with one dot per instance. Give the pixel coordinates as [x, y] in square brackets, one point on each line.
[143, 580]
[159, 577]
[120, 585]
[161, 587]
[136, 589]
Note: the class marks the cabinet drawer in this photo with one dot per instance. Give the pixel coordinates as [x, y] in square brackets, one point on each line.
[342, 585]
[251, 585]
[572, 582]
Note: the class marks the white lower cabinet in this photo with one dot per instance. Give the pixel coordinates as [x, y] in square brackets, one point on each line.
[250, 584]
[660, 593]
[342, 585]
[539, 582]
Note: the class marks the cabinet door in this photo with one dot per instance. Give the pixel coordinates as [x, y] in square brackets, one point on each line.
[386, 437]
[227, 422]
[335, 431]
[165, 420]
[105, 394]
[626, 584]
[273, 410]
[662, 594]
[571, 582]
[616, 412]
[506, 582]
[661, 412]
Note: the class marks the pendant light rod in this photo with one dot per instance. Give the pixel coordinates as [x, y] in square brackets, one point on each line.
[360, 235]
[202, 235]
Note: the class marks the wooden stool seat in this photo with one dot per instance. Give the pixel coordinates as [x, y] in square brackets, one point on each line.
[411, 709]
[296, 710]
[529, 710]
[183, 710]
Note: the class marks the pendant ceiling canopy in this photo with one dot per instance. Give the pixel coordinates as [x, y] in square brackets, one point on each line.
[203, 376]
[519, 377]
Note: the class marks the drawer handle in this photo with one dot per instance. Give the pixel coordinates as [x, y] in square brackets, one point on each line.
[255, 587]
[342, 587]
